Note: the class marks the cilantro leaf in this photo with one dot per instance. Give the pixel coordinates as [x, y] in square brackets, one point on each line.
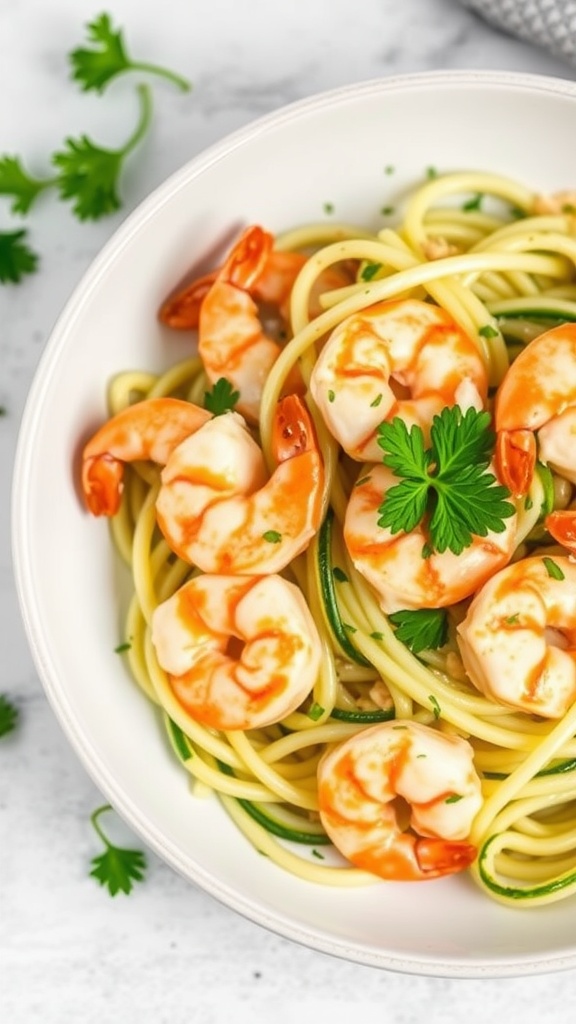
[89, 174]
[448, 485]
[117, 867]
[221, 398]
[425, 629]
[8, 715]
[94, 67]
[16, 182]
[16, 257]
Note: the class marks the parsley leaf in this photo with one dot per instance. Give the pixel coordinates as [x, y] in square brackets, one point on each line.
[315, 711]
[95, 66]
[369, 271]
[88, 174]
[553, 569]
[16, 257]
[221, 398]
[425, 629]
[117, 867]
[8, 715]
[16, 182]
[473, 204]
[450, 483]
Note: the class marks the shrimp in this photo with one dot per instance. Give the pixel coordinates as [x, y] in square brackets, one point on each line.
[518, 639]
[276, 273]
[240, 652]
[360, 781]
[394, 563]
[150, 429]
[224, 305]
[218, 509]
[535, 410]
[403, 358]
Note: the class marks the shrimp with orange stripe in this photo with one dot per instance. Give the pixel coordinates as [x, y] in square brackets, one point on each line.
[225, 307]
[402, 357]
[217, 506]
[241, 652]
[365, 783]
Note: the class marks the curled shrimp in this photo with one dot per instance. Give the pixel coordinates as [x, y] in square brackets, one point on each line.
[240, 652]
[403, 358]
[535, 410]
[219, 510]
[365, 782]
[225, 307]
[394, 563]
[147, 430]
[518, 639]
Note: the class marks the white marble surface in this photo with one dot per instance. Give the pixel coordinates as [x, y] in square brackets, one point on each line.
[169, 952]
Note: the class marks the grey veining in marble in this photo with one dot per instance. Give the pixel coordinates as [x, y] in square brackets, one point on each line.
[170, 953]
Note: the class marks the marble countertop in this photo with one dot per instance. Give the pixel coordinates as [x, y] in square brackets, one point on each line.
[169, 952]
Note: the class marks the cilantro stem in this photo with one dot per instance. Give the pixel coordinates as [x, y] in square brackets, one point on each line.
[155, 69]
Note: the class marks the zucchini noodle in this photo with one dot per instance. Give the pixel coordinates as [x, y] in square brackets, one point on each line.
[504, 273]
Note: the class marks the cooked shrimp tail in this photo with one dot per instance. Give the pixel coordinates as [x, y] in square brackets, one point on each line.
[219, 511]
[535, 421]
[561, 525]
[150, 429]
[181, 310]
[516, 460]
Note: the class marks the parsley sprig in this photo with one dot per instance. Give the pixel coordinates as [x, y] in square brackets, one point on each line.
[16, 256]
[422, 629]
[89, 175]
[449, 484]
[86, 174]
[16, 182]
[221, 398]
[117, 868]
[95, 66]
[8, 715]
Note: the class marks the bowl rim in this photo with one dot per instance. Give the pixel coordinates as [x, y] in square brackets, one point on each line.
[510, 966]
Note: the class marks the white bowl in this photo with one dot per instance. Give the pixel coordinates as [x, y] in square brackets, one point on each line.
[280, 172]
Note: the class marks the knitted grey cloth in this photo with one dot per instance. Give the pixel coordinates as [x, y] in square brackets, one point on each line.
[549, 23]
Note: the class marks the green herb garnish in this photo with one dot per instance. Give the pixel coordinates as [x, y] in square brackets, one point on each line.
[272, 536]
[370, 271]
[435, 705]
[315, 711]
[473, 204]
[424, 629]
[553, 569]
[449, 483]
[8, 715]
[487, 331]
[117, 868]
[221, 398]
[16, 257]
[339, 574]
[94, 67]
